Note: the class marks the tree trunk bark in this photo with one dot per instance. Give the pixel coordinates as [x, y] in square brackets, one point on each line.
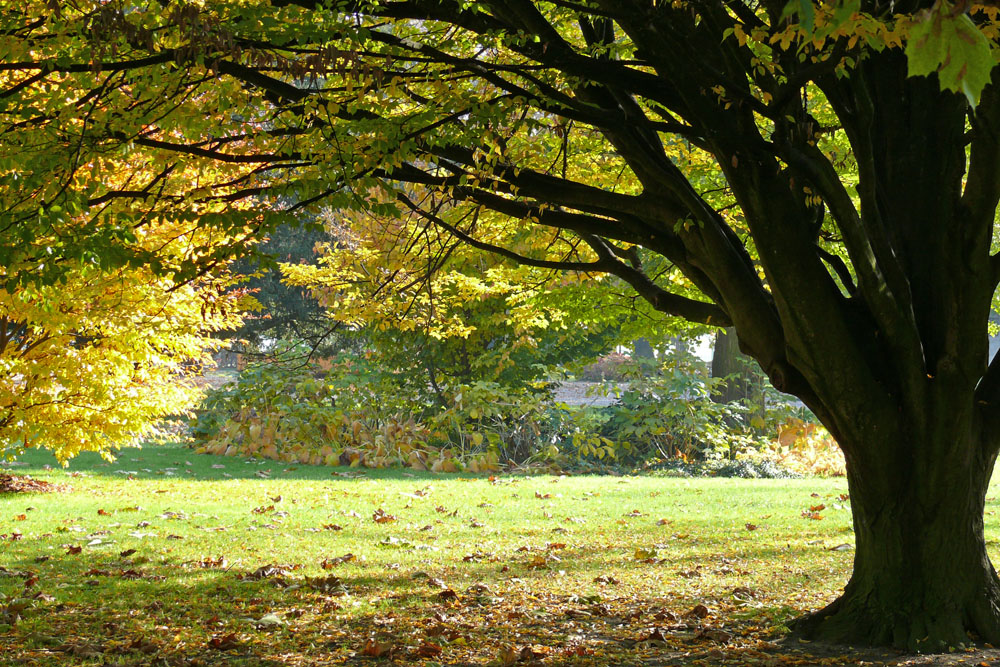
[922, 579]
[733, 367]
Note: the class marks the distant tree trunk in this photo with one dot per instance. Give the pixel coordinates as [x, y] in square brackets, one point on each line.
[733, 366]
[641, 349]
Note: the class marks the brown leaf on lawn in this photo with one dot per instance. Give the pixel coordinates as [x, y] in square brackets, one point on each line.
[330, 585]
[102, 512]
[332, 526]
[542, 496]
[815, 516]
[476, 524]
[447, 594]
[263, 509]
[21, 517]
[531, 653]
[126, 553]
[606, 579]
[655, 637]
[715, 635]
[142, 645]
[428, 650]
[441, 509]
[751, 526]
[376, 649]
[329, 563]
[817, 508]
[224, 642]
[664, 522]
[380, 516]
[206, 563]
[268, 571]
[698, 611]
[507, 655]
[95, 572]
[74, 549]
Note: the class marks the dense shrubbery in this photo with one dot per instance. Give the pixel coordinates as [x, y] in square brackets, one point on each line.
[359, 413]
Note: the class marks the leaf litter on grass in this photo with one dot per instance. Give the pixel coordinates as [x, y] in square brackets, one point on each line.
[565, 586]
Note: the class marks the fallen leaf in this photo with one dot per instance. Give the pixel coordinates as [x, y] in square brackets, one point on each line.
[269, 621]
[698, 611]
[506, 656]
[644, 554]
[380, 516]
[715, 635]
[428, 650]
[328, 563]
[224, 642]
[376, 649]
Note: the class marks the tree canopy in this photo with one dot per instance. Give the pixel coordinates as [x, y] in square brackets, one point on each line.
[739, 162]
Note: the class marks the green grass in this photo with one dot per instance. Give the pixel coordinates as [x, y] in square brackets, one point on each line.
[182, 513]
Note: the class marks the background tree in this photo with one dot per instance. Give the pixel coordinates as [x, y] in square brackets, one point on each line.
[95, 362]
[837, 213]
[285, 312]
[446, 314]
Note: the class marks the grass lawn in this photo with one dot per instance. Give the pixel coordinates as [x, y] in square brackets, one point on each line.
[169, 557]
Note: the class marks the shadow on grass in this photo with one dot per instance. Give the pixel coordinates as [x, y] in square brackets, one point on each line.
[96, 608]
[177, 461]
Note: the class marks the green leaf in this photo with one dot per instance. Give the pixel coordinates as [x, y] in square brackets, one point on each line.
[953, 47]
[805, 11]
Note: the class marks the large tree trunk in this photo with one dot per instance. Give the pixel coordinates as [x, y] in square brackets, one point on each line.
[922, 579]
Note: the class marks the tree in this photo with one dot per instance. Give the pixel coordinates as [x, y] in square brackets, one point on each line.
[95, 362]
[793, 180]
[446, 314]
[285, 312]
